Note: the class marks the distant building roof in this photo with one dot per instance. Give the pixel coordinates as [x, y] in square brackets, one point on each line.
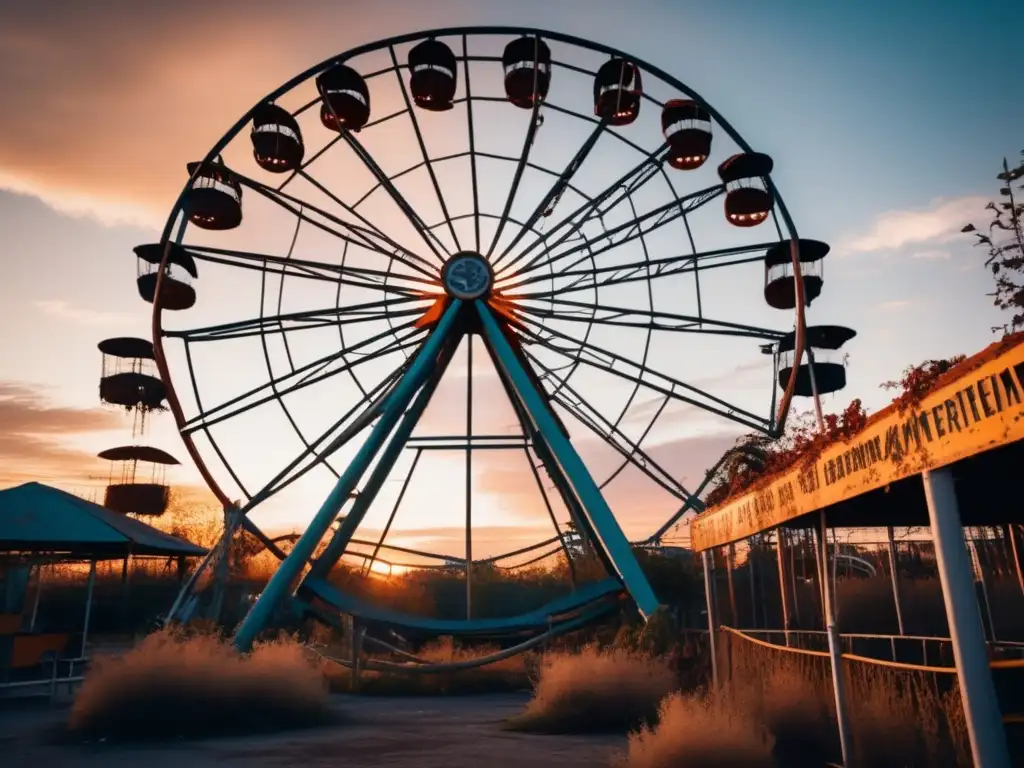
[35, 518]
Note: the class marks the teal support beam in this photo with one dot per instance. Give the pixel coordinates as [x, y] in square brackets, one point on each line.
[336, 548]
[610, 537]
[282, 582]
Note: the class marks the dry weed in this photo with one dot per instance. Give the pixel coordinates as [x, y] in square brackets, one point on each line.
[174, 686]
[699, 732]
[596, 691]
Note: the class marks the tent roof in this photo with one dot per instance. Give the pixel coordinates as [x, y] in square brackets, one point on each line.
[40, 519]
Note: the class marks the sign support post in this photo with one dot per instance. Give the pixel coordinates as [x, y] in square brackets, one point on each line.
[977, 691]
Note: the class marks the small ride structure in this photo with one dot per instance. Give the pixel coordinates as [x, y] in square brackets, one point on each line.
[129, 378]
[132, 492]
[540, 202]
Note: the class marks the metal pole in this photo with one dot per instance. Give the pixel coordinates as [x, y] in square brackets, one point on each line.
[977, 691]
[88, 605]
[792, 580]
[469, 477]
[817, 549]
[730, 557]
[753, 589]
[35, 600]
[1016, 556]
[981, 591]
[220, 571]
[709, 566]
[834, 648]
[895, 577]
[782, 584]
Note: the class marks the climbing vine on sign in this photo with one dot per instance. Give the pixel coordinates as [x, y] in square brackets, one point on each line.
[1005, 245]
[759, 456]
[918, 380]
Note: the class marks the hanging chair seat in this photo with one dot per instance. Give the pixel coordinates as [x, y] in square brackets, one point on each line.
[561, 609]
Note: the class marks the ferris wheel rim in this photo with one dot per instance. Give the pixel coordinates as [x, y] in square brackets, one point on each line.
[464, 32]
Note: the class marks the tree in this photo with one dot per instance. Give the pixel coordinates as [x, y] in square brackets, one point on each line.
[1005, 244]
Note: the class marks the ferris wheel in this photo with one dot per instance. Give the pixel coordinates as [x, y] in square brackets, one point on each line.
[519, 200]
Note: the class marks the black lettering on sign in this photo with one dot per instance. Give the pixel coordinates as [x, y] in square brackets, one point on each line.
[786, 494]
[893, 449]
[952, 417]
[983, 395]
[972, 401]
[1010, 387]
[938, 414]
[922, 419]
[911, 434]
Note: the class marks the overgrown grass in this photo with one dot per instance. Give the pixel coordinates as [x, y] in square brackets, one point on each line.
[776, 708]
[174, 685]
[596, 690]
[698, 732]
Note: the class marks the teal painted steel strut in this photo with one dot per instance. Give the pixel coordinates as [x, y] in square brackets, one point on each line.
[281, 583]
[608, 533]
[336, 547]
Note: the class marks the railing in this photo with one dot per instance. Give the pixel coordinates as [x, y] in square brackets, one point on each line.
[54, 680]
[895, 642]
[994, 664]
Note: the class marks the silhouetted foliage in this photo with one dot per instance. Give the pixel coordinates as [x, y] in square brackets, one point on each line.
[918, 380]
[1005, 244]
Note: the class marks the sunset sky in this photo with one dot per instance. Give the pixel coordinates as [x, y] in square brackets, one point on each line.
[887, 123]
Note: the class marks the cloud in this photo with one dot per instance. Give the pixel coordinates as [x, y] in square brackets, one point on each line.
[937, 223]
[34, 441]
[105, 128]
[895, 305]
[64, 311]
[933, 254]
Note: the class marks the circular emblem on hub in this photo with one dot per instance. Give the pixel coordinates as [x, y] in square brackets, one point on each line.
[467, 276]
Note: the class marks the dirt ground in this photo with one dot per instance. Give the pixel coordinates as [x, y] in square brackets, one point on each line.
[452, 732]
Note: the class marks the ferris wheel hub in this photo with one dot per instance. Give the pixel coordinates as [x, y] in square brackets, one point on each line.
[467, 275]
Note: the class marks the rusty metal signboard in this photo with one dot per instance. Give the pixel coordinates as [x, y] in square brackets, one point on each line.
[976, 412]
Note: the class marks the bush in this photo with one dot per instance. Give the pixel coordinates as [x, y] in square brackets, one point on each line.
[175, 685]
[698, 732]
[596, 690]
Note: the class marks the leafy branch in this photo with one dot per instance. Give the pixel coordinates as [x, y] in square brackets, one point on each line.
[1005, 244]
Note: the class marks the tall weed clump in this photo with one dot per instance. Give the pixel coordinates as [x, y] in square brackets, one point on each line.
[177, 685]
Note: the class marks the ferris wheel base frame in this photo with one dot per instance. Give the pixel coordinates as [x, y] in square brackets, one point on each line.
[404, 406]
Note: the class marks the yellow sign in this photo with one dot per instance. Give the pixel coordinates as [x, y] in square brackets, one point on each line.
[977, 412]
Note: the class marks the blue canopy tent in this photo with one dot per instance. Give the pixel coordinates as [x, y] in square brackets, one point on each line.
[40, 524]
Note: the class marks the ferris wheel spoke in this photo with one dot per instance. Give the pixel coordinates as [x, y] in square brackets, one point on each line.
[592, 207]
[601, 359]
[367, 228]
[289, 203]
[556, 191]
[521, 165]
[423, 148]
[471, 129]
[618, 274]
[397, 197]
[291, 321]
[678, 208]
[330, 440]
[305, 376]
[287, 266]
[567, 310]
[591, 417]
